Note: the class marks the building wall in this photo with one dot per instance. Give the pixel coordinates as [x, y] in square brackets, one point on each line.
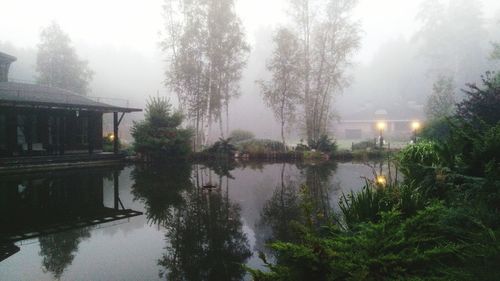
[362, 130]
[29, 131]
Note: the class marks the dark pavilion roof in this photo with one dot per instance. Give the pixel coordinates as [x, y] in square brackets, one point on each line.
[7, 58]
[15, 94]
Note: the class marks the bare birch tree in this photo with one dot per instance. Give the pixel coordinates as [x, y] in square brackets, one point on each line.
[283, 93]
[206, 54]
[328, 38]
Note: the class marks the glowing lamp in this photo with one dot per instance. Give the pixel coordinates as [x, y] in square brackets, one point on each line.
[381, 180]
[415, 125]
[381, 125]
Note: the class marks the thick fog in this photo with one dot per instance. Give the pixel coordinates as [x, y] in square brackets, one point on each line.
[401, 50]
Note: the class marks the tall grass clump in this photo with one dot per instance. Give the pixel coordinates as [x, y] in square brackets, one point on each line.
[368, 204]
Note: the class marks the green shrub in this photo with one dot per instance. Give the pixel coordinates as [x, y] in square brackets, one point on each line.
[368, 204]
[222, 148]
[363, 155]
[324, 144]
[485, 152]
[302, 147]
[437, 243]
[364, 145]
[313, 155]
[482, 102]
[416, 158]
[436, 130]
[158, 137]
[469, 149]
[257, 146]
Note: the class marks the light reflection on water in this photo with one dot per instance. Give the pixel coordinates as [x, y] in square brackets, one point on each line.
[187, 232]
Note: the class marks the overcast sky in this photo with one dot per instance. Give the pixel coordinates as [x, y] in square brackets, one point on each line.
[120, 40]
[135, 24]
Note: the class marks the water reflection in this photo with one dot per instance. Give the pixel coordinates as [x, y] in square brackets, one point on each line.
[205, 240]
[59, 250]
[291, 199]
[280, 210]
[319, 188]
[59, 208]
[204, 234]
[188, 232]
[160, 189]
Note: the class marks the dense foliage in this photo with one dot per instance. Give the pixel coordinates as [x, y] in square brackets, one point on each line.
[440, 223]
[437, 243]
[482, 103]
[256, 146]
[324, 144]
[365, 145]
[222, 148]
[158, 137]
[436, 129]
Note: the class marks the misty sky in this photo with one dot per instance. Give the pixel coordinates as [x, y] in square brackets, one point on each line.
[120, 39]
[135, 24]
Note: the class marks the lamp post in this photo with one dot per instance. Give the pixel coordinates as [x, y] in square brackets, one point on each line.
[415, 125]
[381, 127]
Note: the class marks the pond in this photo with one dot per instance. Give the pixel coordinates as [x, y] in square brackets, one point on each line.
[182, 222]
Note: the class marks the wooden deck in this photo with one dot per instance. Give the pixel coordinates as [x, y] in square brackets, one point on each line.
[53, 162]
[30, 231]
[7, 250]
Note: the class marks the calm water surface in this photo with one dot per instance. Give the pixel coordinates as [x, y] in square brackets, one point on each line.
[185, 232]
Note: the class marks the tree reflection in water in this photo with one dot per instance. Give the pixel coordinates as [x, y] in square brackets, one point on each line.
[42, 201]
[319, 187]
[278, 212]
[59, 250]
[160, 188]
[205, 239]
[290, 199]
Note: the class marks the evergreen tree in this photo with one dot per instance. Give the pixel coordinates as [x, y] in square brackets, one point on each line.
[159, 138]
[482, 103]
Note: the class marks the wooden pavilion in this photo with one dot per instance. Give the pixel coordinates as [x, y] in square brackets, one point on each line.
[37, 120]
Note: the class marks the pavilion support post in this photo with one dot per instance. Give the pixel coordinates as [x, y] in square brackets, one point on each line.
[90, 133]
[11, 120]
[60, 134]
[116, 190]
[28, 131]
[115, 132]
